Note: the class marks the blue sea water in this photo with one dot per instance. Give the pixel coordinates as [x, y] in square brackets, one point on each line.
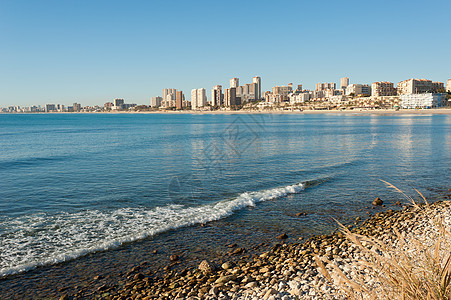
[73, 184]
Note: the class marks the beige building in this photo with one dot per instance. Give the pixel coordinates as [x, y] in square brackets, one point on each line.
[344, 82]
[358, 89]
[198, 98]
[383, 88]
[419, 86]
[325, 86]
[179, 100]
[448, 85]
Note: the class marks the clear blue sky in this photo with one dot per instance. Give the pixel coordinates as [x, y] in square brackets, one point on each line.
[94, 51]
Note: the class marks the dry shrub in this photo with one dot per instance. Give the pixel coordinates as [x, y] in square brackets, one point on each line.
[417, 265]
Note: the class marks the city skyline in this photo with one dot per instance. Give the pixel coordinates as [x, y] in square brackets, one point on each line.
[92, 53]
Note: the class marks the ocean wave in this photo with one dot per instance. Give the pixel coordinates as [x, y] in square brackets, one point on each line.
[31, 241]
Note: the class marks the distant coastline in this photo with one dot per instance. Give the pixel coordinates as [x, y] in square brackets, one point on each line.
[443, 111]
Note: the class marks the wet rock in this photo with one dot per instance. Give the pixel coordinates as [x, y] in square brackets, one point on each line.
[377, 201]
[174, 257]
[139, 276]
[398, 203]
[282, 236]
[64, 297]
[232, 245]
[237, 251]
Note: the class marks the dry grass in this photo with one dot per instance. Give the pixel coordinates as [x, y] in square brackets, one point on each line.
[415, 266]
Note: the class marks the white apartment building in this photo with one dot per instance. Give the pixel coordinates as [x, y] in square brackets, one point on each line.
[258, 91]
[156, 101]
[169, 96]
[358, 89]
[198, 98]
[234, 82]
[299, 97]
[448, 85]
[425, 100]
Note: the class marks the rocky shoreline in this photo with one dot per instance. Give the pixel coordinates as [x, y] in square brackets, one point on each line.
[285, 271]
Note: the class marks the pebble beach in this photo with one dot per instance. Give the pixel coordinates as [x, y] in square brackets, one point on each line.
[285, 270]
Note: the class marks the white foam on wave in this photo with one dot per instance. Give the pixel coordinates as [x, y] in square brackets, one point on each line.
[31, 241]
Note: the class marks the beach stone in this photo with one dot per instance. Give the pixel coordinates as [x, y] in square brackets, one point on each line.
[377, 201]
[214, 291]
[269, 293]
[64, 297]
[205, 267]
[225, 279]
[226, 265]
[282, 236]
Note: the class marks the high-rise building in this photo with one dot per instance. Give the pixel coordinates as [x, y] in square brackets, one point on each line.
[258, 93]
[201, 97]
[156, 101]
[77, 106]
[169, 96]
[179, 100]
[299, 88]
[198, 98]
[234, 82]
[344, 82]
[230, 98]
[217, 98]
[166, 92]
[383, 88]
[448, 85]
